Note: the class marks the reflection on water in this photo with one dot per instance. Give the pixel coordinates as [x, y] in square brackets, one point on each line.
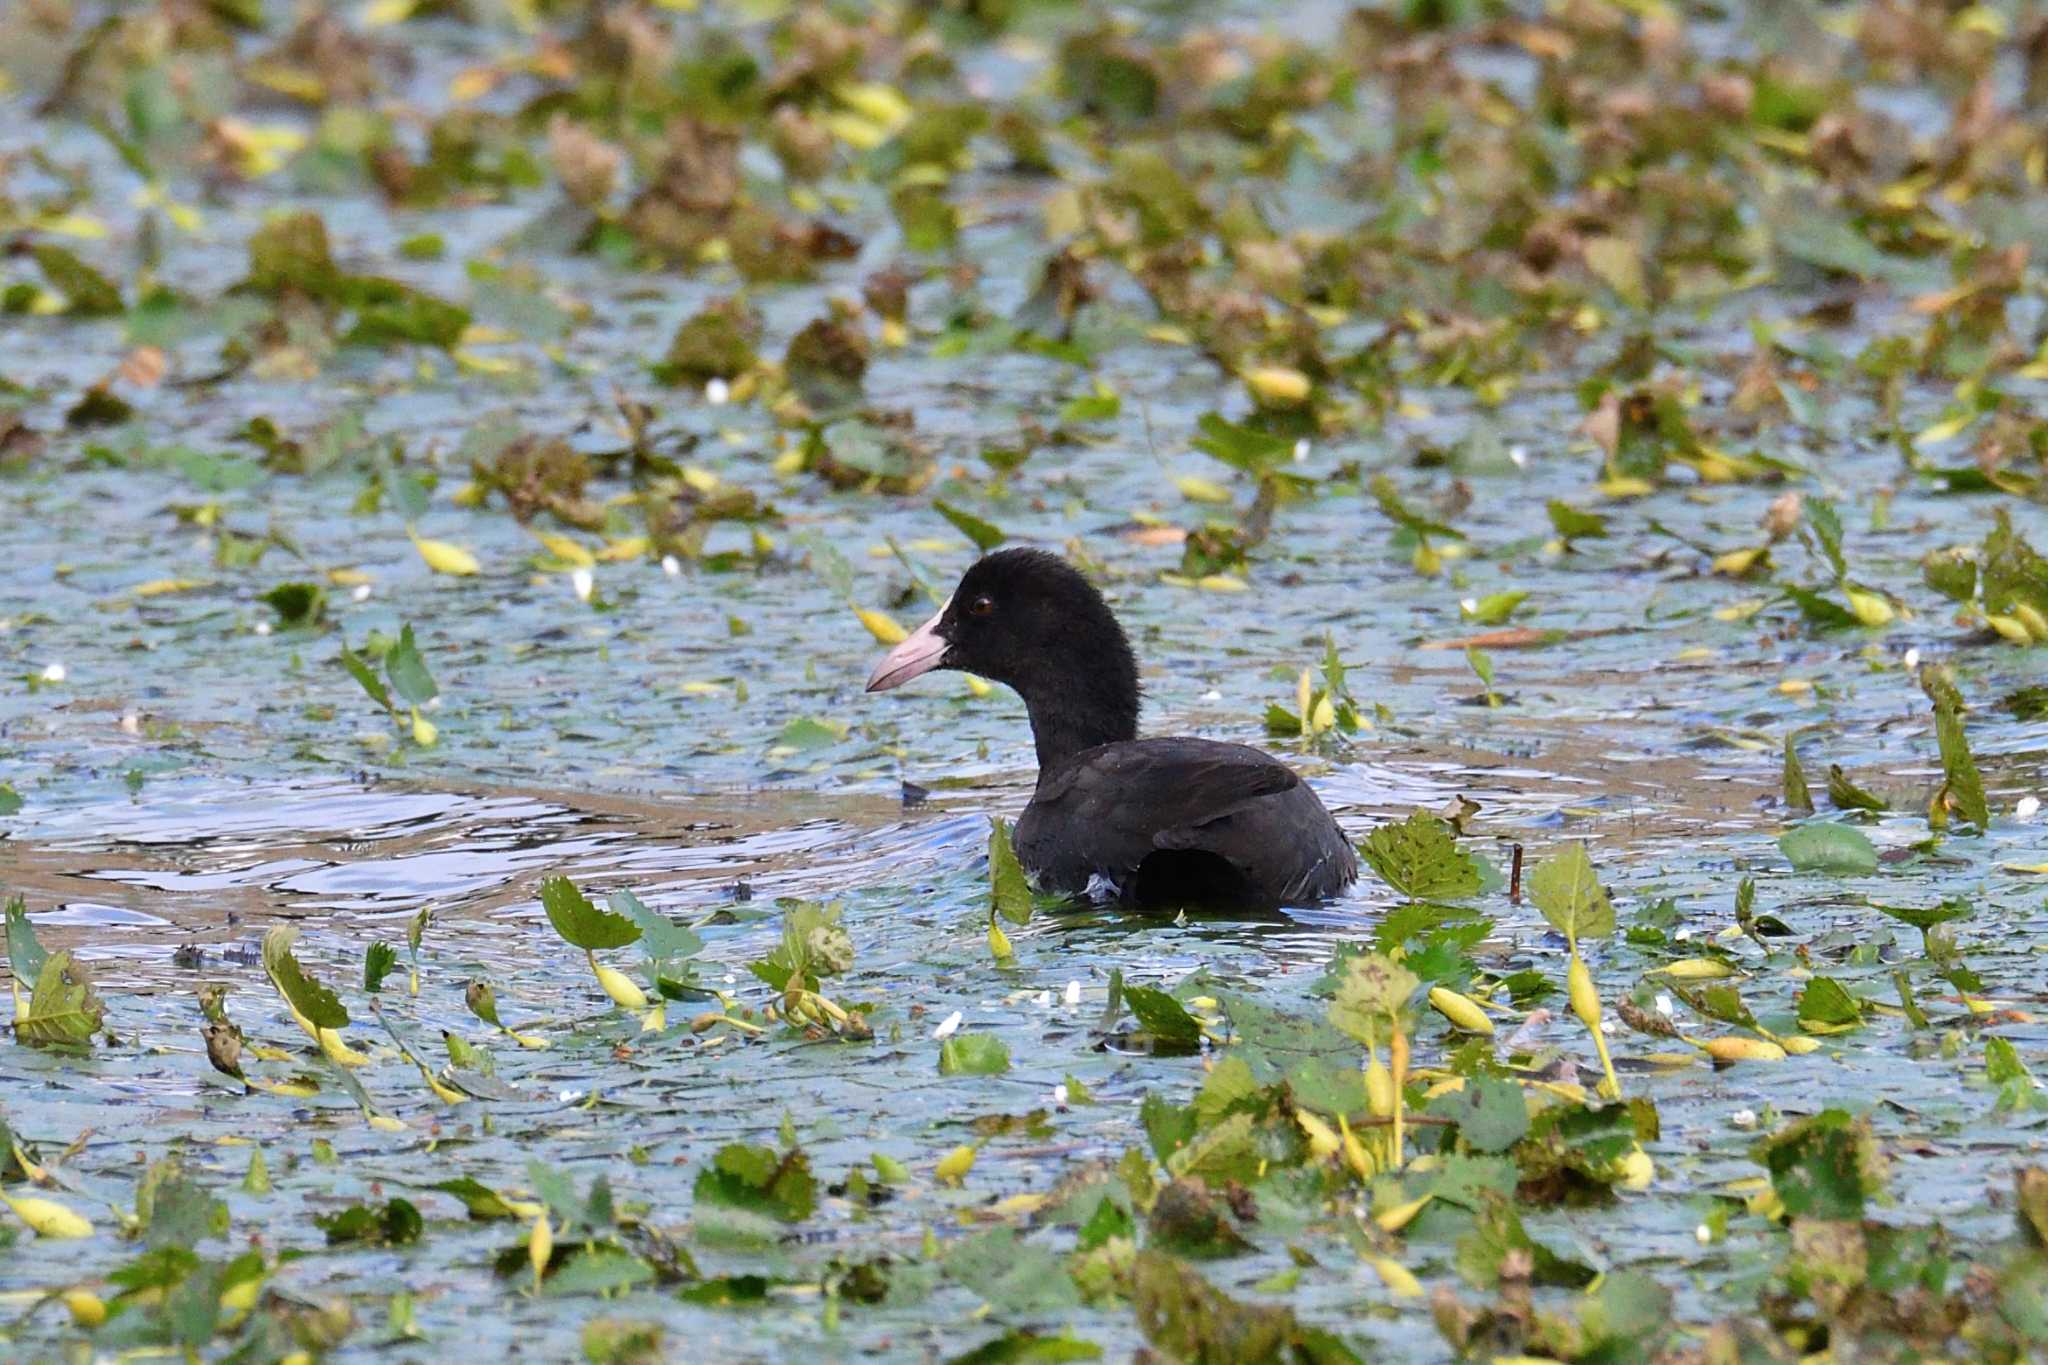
[204, 861]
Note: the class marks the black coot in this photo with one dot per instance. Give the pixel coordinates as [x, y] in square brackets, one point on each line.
[1171, 820]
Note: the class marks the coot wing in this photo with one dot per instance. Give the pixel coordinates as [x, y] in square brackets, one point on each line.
[1246, 821]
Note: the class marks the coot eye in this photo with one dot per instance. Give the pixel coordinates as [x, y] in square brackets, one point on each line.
[981, 606]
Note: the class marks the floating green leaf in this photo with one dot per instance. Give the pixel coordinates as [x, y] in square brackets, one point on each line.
[581, 924]
[1824, 846]
[761, 1181]
[317, 1005]
[1846, 795]
[25, 953]
[973, 1054]
[1566, 889]
[985, 535]
[1162, 1016]
[62, 1008]
[408, 671]
[1420, 858]
[1009, 891]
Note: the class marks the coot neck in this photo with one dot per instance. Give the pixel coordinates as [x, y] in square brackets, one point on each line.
[1075, 711]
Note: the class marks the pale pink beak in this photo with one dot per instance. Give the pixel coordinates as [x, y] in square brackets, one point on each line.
[920, 652]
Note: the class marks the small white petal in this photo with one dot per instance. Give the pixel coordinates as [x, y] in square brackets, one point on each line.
[1073, 994]
[1301, 450]
[360, 593]
[263, 627]
[1607, 1024]
[948, 1026]
[1681, 935]
[671, 566]
[1212, 695]
[1703, 1234]
[584, 582]
[570, 1096]
[2027, 807]
[1059, 1096]
[1663, 1003]
[1743, 1118]
[716, 392]
[131, 723]
[54, 673]
[1519, 455]
[1469, 604]
[1045, 999]
[1913, 657]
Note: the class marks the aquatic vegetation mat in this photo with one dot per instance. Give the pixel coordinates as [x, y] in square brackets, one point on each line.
[461, 459]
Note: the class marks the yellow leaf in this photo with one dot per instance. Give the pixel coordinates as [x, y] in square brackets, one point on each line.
[882, 626]
[1625, 487]
[631, 547]
[540, 1248]
[486, 364]
[1197, 489]
[1696, 969]
[383, 13]
[954, 1166]
[442, 557]
[158, 587]
[1739, 1049]
[2010, 628]
[1019, 1205]
[444, 1092]
[619, 987]
[1460, 1010]
[47, 1217]
[472, 84]
[83, 226]
[1585, 997]
[88, 1310]
[338, 1051]
[879, 103]
[565, 549]
[1400, 1215]
[1736, 563]
[1277, 385]
[1398, 1279]
[1354, 1151]
[1322, 1138]
[1869, 608]
[1946, 430]
[1221, 582]
[241, 1297]
[859, 133]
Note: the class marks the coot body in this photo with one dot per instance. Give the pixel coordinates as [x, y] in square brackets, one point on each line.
[1164, 821]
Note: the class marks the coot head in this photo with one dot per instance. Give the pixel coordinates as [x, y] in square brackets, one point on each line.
[1028, 619]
